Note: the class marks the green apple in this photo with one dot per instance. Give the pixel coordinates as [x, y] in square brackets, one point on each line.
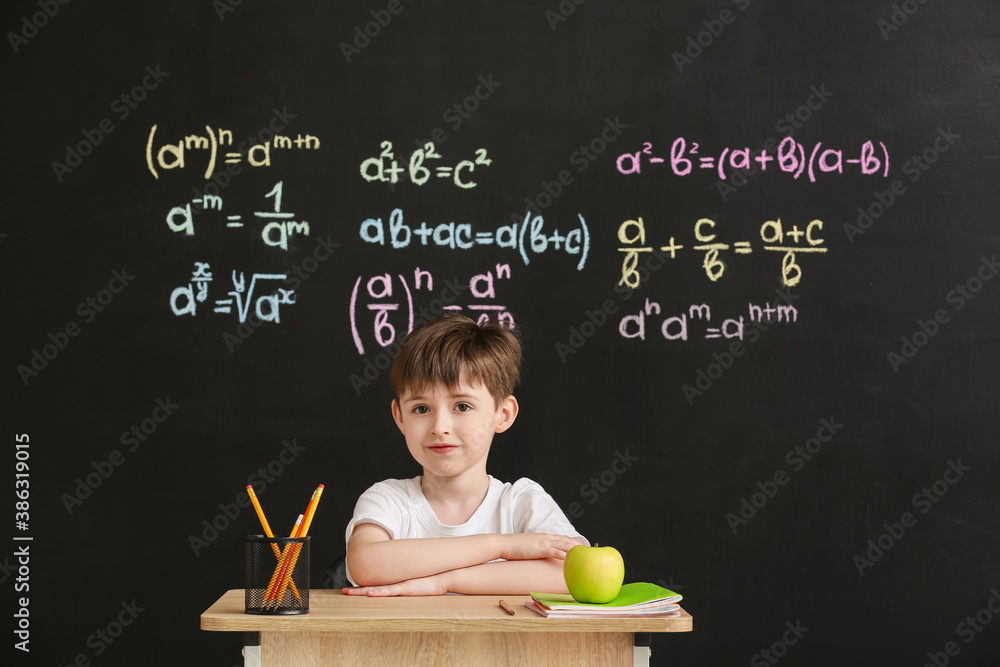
[594, 574]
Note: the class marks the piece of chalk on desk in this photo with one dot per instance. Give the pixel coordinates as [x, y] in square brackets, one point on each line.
[506, 607]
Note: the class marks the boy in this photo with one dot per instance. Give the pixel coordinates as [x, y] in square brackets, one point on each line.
[456, 529]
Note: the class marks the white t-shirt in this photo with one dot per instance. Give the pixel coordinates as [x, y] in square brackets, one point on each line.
[399, 507]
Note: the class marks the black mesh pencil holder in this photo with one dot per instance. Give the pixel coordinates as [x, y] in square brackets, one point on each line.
[277, 575]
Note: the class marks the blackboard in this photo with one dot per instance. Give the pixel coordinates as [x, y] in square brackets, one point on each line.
[788, 413]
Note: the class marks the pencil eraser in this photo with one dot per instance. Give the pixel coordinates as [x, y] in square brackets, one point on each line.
[321, 486]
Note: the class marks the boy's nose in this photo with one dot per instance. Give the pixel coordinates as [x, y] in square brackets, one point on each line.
[442, 424]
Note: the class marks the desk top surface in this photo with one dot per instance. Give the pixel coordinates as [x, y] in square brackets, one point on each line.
[332, 611]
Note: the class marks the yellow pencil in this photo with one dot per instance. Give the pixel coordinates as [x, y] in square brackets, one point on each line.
[260, 511]
[311, 511]
[279, 570]
[267, 531]
[297, 548]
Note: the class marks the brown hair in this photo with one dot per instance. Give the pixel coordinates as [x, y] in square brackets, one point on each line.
[444, 348]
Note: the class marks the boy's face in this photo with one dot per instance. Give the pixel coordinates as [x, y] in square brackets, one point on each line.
[449, 431]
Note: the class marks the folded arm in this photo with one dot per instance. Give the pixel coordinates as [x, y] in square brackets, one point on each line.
[375, 559]
[516, 577]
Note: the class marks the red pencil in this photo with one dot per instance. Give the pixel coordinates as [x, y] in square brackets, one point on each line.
[279, 570]
[286, 578]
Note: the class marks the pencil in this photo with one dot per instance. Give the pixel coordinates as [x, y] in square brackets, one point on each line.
[311, 510]
[267, 532]
[260, 512]
[297, 548]
[506, 607]
[280, 569]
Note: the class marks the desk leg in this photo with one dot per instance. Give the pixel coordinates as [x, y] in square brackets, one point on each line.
[251, 649]
[640, 649]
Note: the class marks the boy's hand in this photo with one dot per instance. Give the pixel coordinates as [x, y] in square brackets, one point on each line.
[530, 546]
[433, 585]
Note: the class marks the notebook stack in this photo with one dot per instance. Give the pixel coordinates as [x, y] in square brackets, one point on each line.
[638, 600]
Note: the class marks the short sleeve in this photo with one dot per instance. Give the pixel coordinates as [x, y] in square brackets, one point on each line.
[382, 504]
[378, 505]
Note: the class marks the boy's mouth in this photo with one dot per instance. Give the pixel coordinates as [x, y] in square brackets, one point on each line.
[442, 448]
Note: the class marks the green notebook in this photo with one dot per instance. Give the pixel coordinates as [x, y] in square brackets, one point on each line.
[631, 597]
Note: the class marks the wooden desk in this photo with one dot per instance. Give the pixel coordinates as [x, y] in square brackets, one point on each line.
[445, 630]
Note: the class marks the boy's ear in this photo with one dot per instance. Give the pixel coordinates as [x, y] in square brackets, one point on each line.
[506, 414]
[397, 415]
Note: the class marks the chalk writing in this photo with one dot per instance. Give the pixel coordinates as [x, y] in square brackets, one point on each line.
[632, 234]
[184, 300]
[385, 167]
[391, 309]
[175, 155]
[528, 237]
[275, 232]
[677, 327]
[790, 157]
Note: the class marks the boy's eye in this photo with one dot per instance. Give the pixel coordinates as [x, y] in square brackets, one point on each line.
[463, 407]
[421, 409]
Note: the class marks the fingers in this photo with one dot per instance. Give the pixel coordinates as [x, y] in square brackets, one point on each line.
[564, 544]
[382, 591]
[560, 552]
[370, 591]
[540, 545]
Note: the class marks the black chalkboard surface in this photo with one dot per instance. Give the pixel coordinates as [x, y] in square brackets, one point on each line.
[751, 246]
